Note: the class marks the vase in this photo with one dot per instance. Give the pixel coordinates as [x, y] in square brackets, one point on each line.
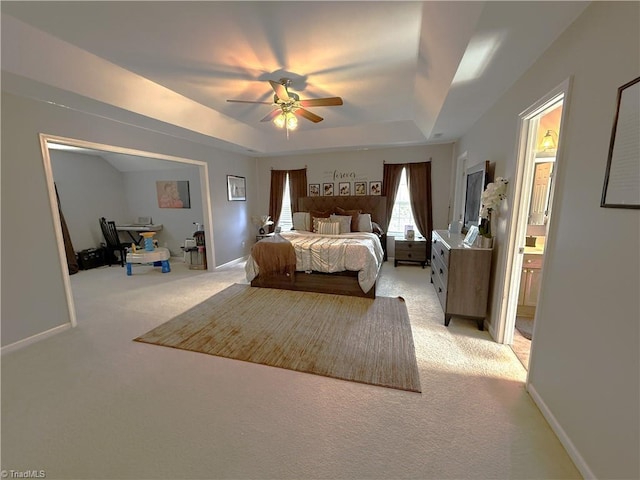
[486, 242]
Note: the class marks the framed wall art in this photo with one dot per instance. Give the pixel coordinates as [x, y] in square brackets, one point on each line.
[375, 188]
[173, 194]
[314, 190]
[236, 188]
[327, 189]
[622, 177]
[345, 188]
[361, 188]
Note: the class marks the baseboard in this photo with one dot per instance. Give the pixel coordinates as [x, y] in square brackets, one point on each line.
[571, 449]
[33, 339]
[232, 262]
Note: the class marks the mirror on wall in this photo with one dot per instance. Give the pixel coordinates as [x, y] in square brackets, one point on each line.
[539, 206]
[477, 180]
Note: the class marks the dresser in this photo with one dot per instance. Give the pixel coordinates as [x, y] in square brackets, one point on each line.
[460, 276]
[411, 251]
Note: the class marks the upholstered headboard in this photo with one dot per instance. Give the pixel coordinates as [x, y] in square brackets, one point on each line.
[376, 205]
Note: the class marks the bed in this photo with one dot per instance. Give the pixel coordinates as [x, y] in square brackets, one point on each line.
[339, 263]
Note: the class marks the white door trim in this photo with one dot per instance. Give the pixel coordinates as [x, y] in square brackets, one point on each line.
[516, 227]
[46, 159]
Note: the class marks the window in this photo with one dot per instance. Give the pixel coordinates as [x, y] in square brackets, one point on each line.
[286, 218]
[402, 214]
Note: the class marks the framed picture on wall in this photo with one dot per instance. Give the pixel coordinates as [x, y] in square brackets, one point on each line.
[345, 188]
[236, 188]
[361, 188]
[173, 194]
[314, 190]
[375, 188]
[327, 189]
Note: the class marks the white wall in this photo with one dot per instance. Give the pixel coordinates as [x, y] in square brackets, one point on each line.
[33, 295]
[584, 367]
[367, 165]
[89, 188]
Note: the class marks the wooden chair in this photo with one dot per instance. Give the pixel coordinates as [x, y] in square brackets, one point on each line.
[113, 242]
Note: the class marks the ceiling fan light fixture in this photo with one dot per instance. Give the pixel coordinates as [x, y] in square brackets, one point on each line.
[286, 120]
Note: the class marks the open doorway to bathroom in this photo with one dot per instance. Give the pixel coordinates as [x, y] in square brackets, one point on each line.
[534, 191]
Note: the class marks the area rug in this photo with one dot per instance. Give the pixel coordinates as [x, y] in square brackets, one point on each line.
[357, 339]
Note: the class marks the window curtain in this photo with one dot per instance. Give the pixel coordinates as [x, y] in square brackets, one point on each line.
[297, 186]
[391, 174]
[419, 180]
[278, 178]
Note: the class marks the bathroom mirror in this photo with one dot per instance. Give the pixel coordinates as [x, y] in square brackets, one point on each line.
[622, 177]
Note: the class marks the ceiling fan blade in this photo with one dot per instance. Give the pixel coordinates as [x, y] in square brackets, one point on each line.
[280, 90]
[249, 101]
[321, 102]
[271, 115]
[308, 115]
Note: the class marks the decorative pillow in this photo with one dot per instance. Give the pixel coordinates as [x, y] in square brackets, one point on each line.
[316, 222]
[301, 221]
[318, 214]
[351, 213]
[344, 221]
[328, 228]
[364, 223]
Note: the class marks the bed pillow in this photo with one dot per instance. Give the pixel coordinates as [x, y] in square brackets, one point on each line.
[319, 214]
[364, 223]
[302, 221]
[328, 228]
[344, 221]
[354, 214]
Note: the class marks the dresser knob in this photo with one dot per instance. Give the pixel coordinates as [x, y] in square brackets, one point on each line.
[441, 252]
[441, 272]
[439, 290]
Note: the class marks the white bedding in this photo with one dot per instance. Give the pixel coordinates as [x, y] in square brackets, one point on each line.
[356, 251]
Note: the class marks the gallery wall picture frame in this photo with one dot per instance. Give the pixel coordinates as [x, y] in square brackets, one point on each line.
[375, 188]
[622, 176]
[314, 189]
[471, 236]
[327, 189]
[344, 188]
[236, 188]
[173, 193]
[360, 188]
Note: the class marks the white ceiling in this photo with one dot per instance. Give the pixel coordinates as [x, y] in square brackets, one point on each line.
[409, 72]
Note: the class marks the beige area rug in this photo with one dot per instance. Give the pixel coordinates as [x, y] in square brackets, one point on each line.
[357, 339]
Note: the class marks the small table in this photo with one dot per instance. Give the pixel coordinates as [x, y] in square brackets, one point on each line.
[159, 257]
[129, 228]
[411, 251]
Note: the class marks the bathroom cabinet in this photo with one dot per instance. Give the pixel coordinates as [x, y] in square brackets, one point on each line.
[529, 284]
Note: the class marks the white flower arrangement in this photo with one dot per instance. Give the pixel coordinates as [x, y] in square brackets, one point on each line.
[492, 196]
[262, 221]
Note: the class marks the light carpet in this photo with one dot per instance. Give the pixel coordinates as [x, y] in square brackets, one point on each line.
[356, 339]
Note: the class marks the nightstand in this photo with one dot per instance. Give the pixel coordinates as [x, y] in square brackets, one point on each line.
[411, 251]
[264, 235]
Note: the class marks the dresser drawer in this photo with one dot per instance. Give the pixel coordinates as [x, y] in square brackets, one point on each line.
[440, 288]
[532, 261]
[411, 250]
[438, 268]
[438, 249]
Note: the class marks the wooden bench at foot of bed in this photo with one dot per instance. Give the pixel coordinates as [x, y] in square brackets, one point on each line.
[339, 283]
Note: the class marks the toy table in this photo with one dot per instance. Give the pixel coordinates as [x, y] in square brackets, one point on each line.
[158, 256]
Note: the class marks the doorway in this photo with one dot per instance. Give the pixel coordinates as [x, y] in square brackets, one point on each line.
[45, 140]
[530, 233]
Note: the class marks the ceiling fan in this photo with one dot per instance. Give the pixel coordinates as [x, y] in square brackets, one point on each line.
[289, 106]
